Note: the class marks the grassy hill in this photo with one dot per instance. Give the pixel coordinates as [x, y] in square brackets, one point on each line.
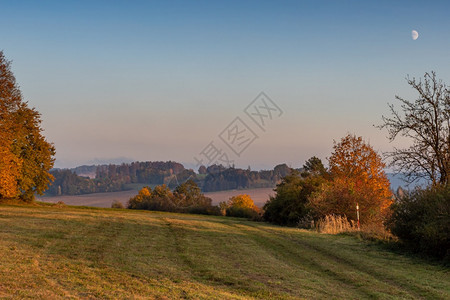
[52, 252]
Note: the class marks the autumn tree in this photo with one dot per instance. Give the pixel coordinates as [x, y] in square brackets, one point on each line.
[426, 123]
[36, 153]
[139, 201]
[242, 201]
[26, 156]
[242, 206]
[357, 176]
[10, 166]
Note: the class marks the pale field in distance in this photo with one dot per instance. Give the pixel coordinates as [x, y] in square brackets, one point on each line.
[259, 196]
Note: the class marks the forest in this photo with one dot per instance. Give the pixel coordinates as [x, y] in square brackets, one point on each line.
[113, 178]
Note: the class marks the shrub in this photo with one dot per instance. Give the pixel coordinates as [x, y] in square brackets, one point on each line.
[187, 198]
[243, 212]
[421, 220]
[60, 204]
[117, 204]
[242, 206]
[160, 198]
[205, 210]
[338, 197]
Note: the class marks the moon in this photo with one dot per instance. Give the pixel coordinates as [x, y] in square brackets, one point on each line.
[414, 35]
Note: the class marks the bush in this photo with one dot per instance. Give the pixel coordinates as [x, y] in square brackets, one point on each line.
[204, 210]
[160, 199]
[241, 206]
[60, 204]
[338, 197]
[187, 198]
[117, 204]
[243, 212]
[421, 220]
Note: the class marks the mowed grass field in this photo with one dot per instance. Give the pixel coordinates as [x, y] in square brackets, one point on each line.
[67, 252]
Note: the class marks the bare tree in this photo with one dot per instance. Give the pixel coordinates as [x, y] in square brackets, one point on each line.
[426, 122]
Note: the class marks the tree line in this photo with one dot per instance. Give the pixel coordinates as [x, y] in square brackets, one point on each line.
[113, 178]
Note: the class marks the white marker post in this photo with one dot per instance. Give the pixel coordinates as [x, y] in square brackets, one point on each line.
[357, 213]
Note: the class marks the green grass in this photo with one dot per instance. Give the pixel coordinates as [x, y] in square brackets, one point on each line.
[67, 252]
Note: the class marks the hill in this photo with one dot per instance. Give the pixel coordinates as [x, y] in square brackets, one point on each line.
[55, 252]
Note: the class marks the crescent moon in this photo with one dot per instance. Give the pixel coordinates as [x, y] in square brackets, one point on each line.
[414, 35]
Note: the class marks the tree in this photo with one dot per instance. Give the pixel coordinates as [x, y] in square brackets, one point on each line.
[281, 170]
[26, 155]
[35, 152]
[357, 176]
[188, 194]
[241, 201]
[291, 202]
[314, 166]
[242, 206]
[202, 170]
[426, 122]
[10, 167]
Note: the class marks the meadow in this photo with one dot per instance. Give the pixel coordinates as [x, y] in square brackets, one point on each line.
[79, 252]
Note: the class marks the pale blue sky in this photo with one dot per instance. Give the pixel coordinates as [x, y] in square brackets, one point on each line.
[158, 80]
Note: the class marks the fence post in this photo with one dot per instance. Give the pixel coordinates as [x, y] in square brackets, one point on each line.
[357, 214]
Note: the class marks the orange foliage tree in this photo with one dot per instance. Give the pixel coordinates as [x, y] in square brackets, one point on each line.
[10, 167]
[25, 156]
[241, 206]
[242, 201]
[357, 177]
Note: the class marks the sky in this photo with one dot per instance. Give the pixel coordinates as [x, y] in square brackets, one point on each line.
[162, 80]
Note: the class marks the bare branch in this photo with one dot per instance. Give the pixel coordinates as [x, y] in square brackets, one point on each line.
[426, 123]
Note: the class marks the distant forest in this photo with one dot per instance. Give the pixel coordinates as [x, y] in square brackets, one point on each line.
[113, 178]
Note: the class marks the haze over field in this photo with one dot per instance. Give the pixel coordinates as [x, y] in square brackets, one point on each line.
[160, 80]
[259, 196]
